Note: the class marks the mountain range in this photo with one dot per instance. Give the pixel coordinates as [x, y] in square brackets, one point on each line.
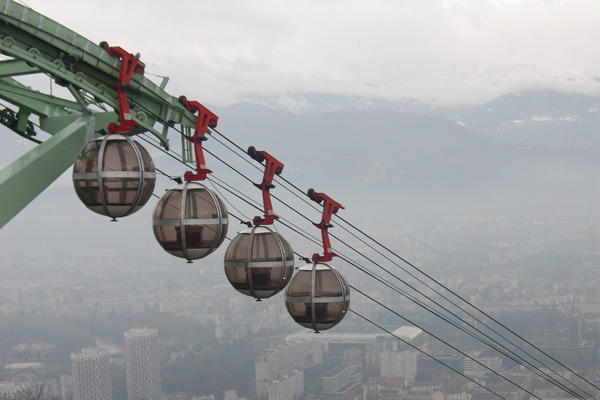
[389, 163]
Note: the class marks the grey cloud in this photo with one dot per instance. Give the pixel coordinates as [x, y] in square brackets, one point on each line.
[438, 51]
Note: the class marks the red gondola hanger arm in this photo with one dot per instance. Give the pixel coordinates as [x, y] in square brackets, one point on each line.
[272, 167]
[130, 64]
[330, 207]
[205, 119]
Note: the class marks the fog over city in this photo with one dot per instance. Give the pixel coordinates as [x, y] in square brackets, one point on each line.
[461, 135]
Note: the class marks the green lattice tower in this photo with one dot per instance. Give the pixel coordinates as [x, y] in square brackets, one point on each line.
[36, 44]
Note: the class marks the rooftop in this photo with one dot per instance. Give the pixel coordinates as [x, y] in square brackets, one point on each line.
[407, 333]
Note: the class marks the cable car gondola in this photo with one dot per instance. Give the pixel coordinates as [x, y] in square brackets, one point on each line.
[114, 175]
[259, 262]
[190, 220]
[318, 296]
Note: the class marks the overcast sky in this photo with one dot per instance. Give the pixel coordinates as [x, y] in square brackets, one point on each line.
[446, 52]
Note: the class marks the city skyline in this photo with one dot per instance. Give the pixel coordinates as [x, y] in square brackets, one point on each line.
[386, 201]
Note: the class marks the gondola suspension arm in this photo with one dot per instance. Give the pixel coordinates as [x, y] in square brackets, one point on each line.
[330, 207]
[205, 119]
[130, 64]
[272, 167]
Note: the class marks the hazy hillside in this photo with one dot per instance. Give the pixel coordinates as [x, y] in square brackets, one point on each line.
[543, 117]
[371, 153]
[387, 167]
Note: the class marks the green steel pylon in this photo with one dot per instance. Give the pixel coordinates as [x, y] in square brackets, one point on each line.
[36, 44]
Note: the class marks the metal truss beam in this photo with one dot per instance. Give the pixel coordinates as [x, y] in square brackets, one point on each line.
[25, 178]
[169, 108]
[15, 68]
[55, 124]
[39, 103]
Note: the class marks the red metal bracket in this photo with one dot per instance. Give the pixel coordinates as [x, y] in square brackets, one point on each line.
[272, 167]
[330, 207]
[129, 65]
[205, 119]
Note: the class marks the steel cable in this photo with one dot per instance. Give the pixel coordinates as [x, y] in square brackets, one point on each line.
[546, 377]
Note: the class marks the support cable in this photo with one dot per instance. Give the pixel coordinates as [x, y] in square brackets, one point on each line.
[472, 305]
[432, 279]
[282, 201]
[411, 298]
[511, 354]
[245, 177]
[210, 180]
[424, 352]
[243, 157]
[391, 333]
[410, 321]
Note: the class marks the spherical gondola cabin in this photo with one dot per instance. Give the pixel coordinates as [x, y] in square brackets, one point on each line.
[190, 221]
[318, 296]
[114, 175]
[259, 262]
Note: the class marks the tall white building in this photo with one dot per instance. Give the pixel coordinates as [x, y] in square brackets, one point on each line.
[207, 397]
[472, 368]
[341, 378]
[286, 387]
[142, 358]
[15, 391]
[230, 395]
[398, 364]
[91, 375]
[46, 389]
[279, 364]
[66, 387]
